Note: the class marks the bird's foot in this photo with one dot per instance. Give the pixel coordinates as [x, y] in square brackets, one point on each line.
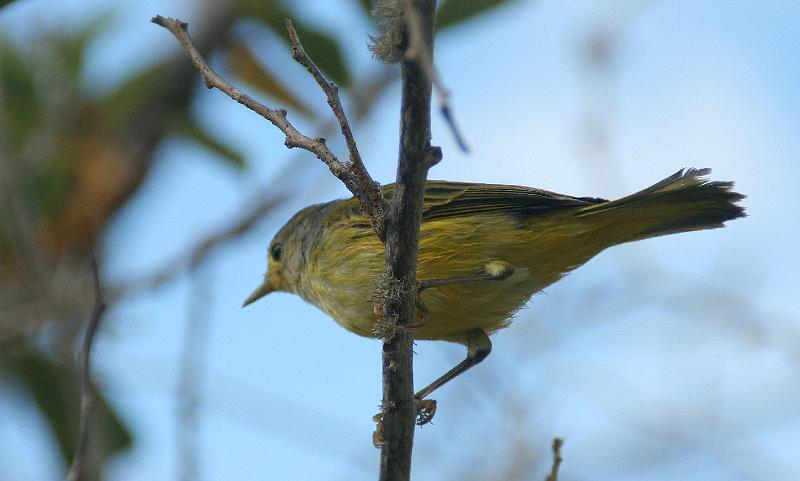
[426, 409]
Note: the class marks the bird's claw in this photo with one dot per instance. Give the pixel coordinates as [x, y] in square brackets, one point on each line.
[426, 409]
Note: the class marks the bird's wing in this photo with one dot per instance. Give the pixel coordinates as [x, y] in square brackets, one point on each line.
[450, 199]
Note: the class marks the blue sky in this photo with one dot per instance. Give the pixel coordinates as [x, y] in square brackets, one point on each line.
[675, 358]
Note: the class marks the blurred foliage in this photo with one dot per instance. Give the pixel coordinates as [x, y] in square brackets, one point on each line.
[23, 106]
[324, 49]
[55, 389]
[456, 12]
[71, 159]
[246, 67]
[191, 129]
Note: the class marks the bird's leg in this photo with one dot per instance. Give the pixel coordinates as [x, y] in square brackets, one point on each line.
[422, 312]
[492, 271]
[478, 347]
[478, 343]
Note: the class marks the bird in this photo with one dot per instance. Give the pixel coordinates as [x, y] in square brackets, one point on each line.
[484, 251]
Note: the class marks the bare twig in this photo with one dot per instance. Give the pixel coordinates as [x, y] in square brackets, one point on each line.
[87, 393]
[357, 181]
[447, 114]
[372, 202]
[192, 373]
[416, 51]
[396, 422]
[553, 476]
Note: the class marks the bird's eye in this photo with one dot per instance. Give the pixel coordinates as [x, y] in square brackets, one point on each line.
[276, 250]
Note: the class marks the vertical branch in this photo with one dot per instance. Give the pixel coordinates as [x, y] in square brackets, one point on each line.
[87, 393]
[191, 376]
[402, 241]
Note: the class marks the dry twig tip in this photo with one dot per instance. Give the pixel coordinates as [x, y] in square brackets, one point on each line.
[77, 467]
[557, 443]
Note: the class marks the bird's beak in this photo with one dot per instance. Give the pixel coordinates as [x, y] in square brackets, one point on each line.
[261, 291]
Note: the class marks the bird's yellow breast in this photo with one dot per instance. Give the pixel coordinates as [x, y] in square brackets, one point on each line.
[540, 251]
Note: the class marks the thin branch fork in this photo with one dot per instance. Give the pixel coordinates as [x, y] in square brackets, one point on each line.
[353, 173]
[372, 194]
[87, 393]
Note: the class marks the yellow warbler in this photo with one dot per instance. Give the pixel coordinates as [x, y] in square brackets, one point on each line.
[484, 250]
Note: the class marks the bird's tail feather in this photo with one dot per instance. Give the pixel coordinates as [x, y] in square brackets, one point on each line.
[685, 201]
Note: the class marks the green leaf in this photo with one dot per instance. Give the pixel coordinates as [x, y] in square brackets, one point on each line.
[127, 101]
[5, 235]
[48, 186]
[71, 49]
[323, 49]
[326, 52]
[244, 65]
[52, 391]
[189, 128]
[23, 108]
[456, 12]
[269, 12]
[56, 392]
[366, 5]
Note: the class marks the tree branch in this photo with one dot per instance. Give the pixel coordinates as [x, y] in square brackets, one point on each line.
[396, 425]
[191, 377]
[372, 202]
[352, 174]
[87, 393]
[553, 476]
[401, 232]
[417, 52]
